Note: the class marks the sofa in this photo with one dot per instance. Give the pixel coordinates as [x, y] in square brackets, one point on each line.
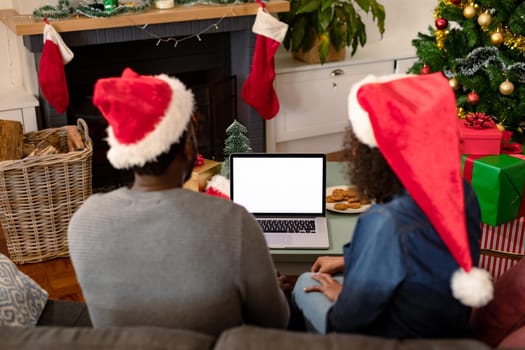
[28, 320]
[66, 325]
[239, 338]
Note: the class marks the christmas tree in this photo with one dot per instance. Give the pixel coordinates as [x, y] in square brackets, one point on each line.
[480, 47]
[236, 142]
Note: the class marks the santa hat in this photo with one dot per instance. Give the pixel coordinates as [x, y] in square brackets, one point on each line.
[146, 115]
[218, 186]
[51, 73]
[413, 121]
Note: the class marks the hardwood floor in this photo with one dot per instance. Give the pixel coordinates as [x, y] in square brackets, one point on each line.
[56, 276]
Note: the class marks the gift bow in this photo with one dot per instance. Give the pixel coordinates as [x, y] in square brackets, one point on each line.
[479, 120]
[508, 147]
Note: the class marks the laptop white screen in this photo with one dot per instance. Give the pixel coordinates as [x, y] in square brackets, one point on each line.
[279, 183]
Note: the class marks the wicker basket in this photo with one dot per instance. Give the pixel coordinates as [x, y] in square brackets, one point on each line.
[39, 194]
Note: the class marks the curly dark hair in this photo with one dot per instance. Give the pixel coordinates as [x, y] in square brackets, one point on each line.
[158, 166]
[369, 171]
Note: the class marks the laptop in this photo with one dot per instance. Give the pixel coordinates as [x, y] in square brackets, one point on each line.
[286, 194]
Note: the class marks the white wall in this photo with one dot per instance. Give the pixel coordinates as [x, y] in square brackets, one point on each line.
[404, 18]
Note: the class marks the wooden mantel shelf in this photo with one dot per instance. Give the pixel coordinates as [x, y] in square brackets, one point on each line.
[26, 25]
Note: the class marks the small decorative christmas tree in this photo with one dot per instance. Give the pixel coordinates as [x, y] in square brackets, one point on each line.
[236, 142]
[479, 45]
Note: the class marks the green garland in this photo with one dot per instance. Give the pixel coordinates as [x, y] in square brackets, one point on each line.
[64, 10]
[92, 12]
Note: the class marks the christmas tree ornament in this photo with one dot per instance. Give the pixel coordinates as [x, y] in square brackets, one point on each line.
[453, 82]
[506, 88]
[472, 98]
[496, 38]
[425, 69]
[441, 23]
[500, 127]
[258, 90]
[484, 19]
[383, 118]
[146, 115]
[455, 2]
[51, 73]
[469, 11]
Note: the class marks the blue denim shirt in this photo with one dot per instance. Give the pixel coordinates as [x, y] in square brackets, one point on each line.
[397, 274]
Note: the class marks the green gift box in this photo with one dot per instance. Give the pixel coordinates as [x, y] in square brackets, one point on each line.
[498, 181]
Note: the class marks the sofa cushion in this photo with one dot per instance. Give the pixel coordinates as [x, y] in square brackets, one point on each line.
[506, 312]
[253, 338]
[21, 299]
[114, 338]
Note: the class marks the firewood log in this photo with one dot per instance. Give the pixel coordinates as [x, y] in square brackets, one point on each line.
[11, 140]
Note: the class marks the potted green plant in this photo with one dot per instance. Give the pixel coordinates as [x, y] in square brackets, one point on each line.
[330, 25]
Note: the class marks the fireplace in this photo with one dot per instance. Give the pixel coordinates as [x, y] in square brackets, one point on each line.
[214, 66]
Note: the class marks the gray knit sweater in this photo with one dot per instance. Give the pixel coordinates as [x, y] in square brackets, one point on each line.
[173, 258]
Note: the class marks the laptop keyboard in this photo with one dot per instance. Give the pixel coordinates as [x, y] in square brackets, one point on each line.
[287, 225]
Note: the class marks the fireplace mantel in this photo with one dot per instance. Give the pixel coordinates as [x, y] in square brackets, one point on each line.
[25, 25]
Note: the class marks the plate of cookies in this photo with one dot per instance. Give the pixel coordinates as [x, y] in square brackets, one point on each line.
[346, 199]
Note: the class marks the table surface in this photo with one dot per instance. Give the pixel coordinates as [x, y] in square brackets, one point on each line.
[340, 226]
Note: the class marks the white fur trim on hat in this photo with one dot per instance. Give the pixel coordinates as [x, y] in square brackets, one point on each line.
[267, 25]
[51, 34]
[358, 117]
[472, 288]
[167, 132]
[220, 183]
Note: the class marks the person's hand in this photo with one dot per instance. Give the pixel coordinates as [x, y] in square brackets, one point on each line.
[329, 264]
[329, 286]
[284, 282]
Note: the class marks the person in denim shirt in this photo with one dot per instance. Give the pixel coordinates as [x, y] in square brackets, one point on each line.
[409, 271]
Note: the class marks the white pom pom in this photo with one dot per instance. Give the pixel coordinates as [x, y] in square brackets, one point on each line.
[472, 288]
[219, 183]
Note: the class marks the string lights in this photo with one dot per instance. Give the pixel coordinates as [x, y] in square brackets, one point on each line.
[212, 27]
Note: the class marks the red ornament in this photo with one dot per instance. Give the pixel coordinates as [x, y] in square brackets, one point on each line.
[441, 23]
[455, 2]
[425, 69]
[472, 98]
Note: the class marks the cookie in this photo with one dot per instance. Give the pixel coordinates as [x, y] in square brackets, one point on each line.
[340, 206]
[354, 205]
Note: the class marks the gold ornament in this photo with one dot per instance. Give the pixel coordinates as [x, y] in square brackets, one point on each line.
[496, 38]
[506, 88]
[469, 11]
[500, 127]
[453, 82]
[484, 19]
[440, 35]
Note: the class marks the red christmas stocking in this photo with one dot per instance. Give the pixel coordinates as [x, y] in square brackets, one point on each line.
[51, 74]
[258, 90]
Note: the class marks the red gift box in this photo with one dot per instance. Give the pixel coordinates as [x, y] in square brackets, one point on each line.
[479, 141]
[506, 238]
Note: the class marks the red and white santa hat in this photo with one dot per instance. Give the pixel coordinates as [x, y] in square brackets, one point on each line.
[412, 119]
[146, 115]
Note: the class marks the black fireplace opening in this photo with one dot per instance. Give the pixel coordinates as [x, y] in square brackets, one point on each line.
[203, 67]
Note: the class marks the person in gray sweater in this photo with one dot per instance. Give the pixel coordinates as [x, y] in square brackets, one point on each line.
[157, 254]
